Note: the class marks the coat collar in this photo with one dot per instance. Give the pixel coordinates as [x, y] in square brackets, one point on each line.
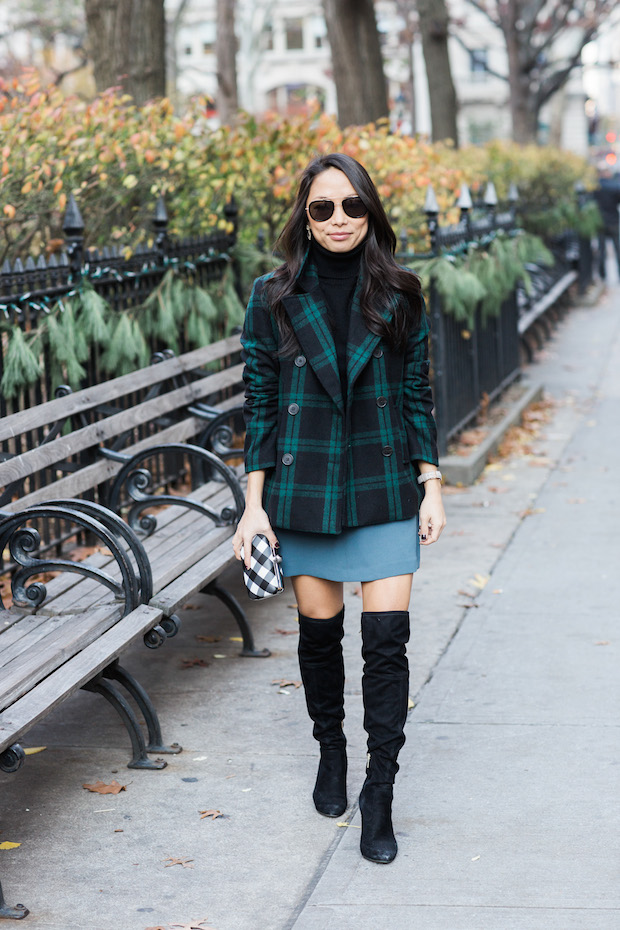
[307, 313]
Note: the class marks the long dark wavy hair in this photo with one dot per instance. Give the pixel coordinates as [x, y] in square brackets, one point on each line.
[383, 278]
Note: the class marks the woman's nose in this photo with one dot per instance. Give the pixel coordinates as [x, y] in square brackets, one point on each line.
[339, 216]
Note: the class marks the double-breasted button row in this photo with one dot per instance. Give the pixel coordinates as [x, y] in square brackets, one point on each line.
[288, 458]
[300, 361]
[381, 401]
[293, 409]
[377, 352]
[387, 450]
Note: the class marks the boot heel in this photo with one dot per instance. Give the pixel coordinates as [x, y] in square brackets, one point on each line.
[330, 790]
[378, 843]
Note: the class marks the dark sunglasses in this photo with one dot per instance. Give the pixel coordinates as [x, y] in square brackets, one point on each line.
[321, 210]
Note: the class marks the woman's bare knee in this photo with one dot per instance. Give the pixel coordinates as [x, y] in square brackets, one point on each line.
[387, 594]
[317, 597]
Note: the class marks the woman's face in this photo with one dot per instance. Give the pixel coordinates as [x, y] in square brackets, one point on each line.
[340, 233]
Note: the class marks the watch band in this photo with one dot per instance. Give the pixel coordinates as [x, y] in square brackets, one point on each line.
[427, 475]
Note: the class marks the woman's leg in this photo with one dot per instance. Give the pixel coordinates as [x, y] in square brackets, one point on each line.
[385, 688]
[321, 616]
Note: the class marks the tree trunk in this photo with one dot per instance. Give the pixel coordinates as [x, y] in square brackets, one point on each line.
[226, 52]
[523, 105]
[433, 17]
[357, 61]
[128, 46]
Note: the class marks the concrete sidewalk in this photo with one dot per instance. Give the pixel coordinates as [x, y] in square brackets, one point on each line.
[506, 806]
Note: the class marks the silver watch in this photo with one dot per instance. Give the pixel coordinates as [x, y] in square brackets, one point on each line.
[427, 475]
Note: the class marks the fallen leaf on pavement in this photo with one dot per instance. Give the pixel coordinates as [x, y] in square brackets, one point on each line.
[602, 642]
[7, 845]
[32, 749]
[531, 511]
[191, 663]
[286, 632]
[208, 639]
[286, 683]
[479, 581]
[100, 787]
[184, 861]
[213, 814]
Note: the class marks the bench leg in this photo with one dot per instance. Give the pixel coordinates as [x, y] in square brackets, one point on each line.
[140, 696]
[140, 760]
[11, 913]
[249, 649]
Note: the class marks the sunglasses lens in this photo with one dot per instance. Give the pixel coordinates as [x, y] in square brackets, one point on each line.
[354, 208]
[321, 210]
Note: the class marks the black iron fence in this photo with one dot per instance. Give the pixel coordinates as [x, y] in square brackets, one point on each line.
[29, 291]
[474, 361]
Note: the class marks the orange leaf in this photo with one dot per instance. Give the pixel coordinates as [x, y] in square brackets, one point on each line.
[100, 787]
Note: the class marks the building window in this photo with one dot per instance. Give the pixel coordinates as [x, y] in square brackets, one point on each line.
[319, 32]
[478, 60]
[294, 31]
[207, 34]
[266, 40]
[187, 50]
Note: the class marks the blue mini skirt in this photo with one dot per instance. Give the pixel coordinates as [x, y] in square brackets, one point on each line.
[361, 553]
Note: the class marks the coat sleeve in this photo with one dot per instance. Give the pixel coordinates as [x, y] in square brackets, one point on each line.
[261, 377]
[418, 398]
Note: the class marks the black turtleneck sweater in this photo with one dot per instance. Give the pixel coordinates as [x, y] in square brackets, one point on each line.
[338, 273]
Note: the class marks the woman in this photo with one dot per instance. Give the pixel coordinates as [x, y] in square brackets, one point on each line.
[342, 463]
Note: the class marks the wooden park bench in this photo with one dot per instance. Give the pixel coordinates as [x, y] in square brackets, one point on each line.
[133, 447]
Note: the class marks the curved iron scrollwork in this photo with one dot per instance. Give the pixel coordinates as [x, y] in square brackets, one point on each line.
[23, 541]
[119, 529]
[12, 759]
[219, 434]
[138, 483]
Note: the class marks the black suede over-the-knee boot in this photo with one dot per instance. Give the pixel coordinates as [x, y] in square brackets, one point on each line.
[385, 688]
[322, 672]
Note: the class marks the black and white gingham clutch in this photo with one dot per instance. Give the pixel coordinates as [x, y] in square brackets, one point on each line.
[263, 578]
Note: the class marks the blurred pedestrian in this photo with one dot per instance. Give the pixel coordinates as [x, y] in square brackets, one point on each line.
[607, 197]
[342, 462]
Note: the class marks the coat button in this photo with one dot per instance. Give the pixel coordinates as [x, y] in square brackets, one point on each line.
[300, 361]
[287, 459]
[293, 409]
[381, 402]
[387, 450]
[378, 352]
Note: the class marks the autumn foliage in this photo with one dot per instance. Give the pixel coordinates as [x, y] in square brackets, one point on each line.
[117, 158]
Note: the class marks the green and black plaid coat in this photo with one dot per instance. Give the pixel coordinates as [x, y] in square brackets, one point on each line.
[332, 462]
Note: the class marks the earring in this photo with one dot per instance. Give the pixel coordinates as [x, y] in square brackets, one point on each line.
[308, 233]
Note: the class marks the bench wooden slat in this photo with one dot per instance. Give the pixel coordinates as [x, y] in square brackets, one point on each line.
[81, 401]
[28, 710]
[58, 588]
[63, 447]
[194, 579]
[62, 642]
[26, 626]
[91, 475]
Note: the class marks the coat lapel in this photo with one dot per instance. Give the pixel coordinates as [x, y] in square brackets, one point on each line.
[361, 341]
[308, 315]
